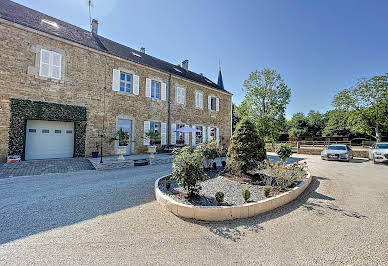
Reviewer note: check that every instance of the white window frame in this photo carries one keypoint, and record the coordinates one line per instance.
(160, 90)
(126, 82)
(50, 64)
(180, 95)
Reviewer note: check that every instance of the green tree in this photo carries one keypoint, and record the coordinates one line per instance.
(337, 124)
(266, 97)
(311, 125)
(297, 125)
(367, 106)
(235, 117)
(246, 148)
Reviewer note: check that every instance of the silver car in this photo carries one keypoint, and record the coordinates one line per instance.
(337, 152)
(379, 152)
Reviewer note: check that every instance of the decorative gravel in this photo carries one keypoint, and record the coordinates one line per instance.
(231, 189)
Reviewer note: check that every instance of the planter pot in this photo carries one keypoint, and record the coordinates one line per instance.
(151, 150)
(95, 154)
(120, 152)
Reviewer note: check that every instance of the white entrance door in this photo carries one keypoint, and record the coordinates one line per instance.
(49, 139)
(126, 126)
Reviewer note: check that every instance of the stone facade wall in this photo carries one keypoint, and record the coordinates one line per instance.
(86, 81)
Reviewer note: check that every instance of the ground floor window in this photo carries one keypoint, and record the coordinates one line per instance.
(156, 127)
(213, 134)
(180, 137)
(198, 135)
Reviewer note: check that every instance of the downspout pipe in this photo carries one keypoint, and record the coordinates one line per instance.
(169, 111)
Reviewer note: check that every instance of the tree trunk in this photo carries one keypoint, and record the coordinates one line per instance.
(378, 133)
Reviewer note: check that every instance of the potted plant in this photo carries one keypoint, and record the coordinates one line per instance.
(123, 138)
(154, 138)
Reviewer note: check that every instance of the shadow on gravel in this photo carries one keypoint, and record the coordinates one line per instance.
(235, 230)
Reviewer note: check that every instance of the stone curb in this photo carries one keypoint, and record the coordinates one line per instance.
(222, 213)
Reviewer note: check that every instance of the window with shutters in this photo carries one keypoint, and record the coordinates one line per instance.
(155, 89)
(198, 135)
(180, 137)
(199, 99)
(213, 134)
(50, 64)
(125, 82)
(180, 95)
(156, 127)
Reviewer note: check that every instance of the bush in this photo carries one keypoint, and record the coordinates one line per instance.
(267, 190)
(246, 194)
(223, 163)
(246, 148)
(209, 151)
(187, 169)
(220, 196)
(168, 182)
(284, 151)
(287, 175)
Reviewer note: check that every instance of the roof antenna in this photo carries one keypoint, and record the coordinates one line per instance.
(90, 4)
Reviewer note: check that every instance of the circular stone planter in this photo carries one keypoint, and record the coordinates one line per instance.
(222, 213)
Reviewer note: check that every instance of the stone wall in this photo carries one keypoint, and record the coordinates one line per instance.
(87, 81)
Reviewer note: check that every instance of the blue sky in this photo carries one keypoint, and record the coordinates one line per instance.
(318, 47)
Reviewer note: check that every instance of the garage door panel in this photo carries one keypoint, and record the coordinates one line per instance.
(49, 139)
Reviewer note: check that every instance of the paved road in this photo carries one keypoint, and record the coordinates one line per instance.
(111, 217)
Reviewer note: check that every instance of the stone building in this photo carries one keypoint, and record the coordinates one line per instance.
(61, 87)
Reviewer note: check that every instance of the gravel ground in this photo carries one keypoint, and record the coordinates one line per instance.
(232, 191)
(111, 217)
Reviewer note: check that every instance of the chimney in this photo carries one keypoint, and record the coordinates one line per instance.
(185, 64)
(142, 50)
(95, 26)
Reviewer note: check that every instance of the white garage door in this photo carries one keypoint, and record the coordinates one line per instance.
(49, 139)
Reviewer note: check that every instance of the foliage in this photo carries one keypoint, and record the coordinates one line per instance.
(121, 136)
(187, 169)
(366, 105)
(220, 196)
(209, 151)
(311, 125)
(267, 190)
(246, 194)
(168, 182)
(287, 175)
(265, 102)
(337, 124)
(153, 137)
(284, 151)
(246, 148)
(235, 117)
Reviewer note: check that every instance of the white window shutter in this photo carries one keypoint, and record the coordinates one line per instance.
(193, 140)
(208, 134)
(163, 135)
(116, 80)
(135, 84)
(173, 134)
(217, 134)
(44, 70)
(148, 87)
(183, 95)
(217, 104)
(204, 137)
(147, 125)
(209, 102)
(177, 95)
(187, 137)
(196, 99)
(163, 92)
(56, 65)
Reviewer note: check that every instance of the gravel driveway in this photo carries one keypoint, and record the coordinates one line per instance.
(110, 217)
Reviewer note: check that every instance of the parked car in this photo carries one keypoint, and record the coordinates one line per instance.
(379, 152)
(337, 152)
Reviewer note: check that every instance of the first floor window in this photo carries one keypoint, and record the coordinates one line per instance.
(155, 89)
(180, 137)
(199, 99)
(198, 135)
(50, 64)
(125, 82)
(213, 103)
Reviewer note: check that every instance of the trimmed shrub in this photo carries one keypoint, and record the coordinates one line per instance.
(267, 190)
(220, 196)
(223, 163)
(187, 169)
(246, 194)
(246, 148)
(284, 151)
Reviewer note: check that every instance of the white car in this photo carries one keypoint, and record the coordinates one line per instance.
(337, 152)
(379, 152)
